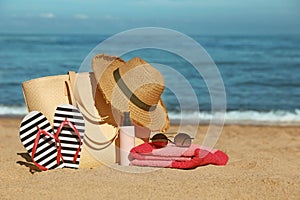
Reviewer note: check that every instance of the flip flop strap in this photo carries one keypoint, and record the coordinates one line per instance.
(36, 141)
(72, 126)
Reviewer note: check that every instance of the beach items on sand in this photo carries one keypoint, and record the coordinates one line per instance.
(134, 86)
(38, 139)
(171, 156)
(46, 93)
(80, 90)
(69, 130)
(160, 140)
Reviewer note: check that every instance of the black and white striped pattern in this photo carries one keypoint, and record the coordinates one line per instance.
(46, 151)
(68, 138)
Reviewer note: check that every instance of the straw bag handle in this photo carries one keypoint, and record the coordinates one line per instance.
(75, 99)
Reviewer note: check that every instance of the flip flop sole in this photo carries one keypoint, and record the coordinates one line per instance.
(68, 138)
(46, 151)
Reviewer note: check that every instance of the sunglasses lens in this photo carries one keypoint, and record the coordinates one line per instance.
(182, 140)
(159, 140)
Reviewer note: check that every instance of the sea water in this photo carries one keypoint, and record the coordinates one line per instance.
(261, 74)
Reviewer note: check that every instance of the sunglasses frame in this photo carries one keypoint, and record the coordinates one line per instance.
(180, 140)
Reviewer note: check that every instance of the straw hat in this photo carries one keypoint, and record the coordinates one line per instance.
(133, 86)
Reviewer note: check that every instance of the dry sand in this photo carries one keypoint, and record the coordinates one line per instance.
(264, 164)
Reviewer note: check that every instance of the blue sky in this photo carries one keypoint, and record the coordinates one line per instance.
(188, 16)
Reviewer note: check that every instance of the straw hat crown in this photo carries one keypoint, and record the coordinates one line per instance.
(146, 82)
(133, 86)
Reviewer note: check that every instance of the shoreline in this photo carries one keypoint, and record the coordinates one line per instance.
(172, 123)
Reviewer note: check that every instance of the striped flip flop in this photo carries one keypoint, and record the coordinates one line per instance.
(69, 129)
(37, 137)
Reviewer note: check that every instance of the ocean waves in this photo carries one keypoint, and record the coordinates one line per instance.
(261, 74)
(247, 117)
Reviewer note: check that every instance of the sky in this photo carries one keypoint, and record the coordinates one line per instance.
(188, 16)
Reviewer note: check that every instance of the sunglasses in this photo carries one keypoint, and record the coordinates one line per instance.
(160, 140)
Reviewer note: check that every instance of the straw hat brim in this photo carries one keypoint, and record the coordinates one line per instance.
(103, 67)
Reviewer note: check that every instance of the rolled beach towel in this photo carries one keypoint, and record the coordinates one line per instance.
(172, 156)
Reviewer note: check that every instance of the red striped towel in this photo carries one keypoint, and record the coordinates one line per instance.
(176, 157)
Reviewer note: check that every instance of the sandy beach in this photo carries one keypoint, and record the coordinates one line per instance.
(263, 164)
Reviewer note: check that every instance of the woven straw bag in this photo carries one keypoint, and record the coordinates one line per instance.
(101, 139)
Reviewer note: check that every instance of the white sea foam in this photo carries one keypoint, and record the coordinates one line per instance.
(12, 110)
(280, 117)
